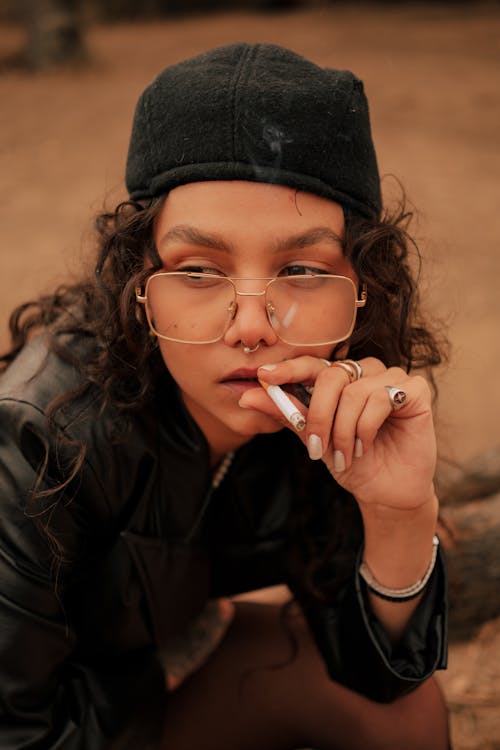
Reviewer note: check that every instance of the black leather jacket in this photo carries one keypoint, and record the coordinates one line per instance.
(145, 543)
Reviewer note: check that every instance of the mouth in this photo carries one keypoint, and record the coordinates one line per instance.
(241, 380)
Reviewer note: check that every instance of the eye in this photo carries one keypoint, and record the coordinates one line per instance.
(297, 269)
(200, 270)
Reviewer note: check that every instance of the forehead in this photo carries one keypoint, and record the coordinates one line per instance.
(240, 208)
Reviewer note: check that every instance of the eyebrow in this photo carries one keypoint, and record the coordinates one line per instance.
(308, 238)
(192, 235)
(187, 233)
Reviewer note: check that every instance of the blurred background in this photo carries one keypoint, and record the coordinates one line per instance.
(70, 75)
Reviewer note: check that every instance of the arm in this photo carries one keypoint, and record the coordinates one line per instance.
(385, 459)
(35, 640)
(358, 652)
(46, 699)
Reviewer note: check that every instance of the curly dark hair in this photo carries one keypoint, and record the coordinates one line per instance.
(124, 363)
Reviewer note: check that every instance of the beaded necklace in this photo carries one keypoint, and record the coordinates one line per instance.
(217, 478)
(222, 469)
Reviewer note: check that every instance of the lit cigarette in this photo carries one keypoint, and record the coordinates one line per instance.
(285, 405)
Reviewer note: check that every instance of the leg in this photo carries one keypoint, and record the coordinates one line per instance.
(236, 701)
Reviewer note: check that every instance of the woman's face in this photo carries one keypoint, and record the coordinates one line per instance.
(246, 230)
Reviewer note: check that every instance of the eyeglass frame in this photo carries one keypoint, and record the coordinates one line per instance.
(142, 299)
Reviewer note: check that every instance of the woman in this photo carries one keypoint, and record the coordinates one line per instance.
(152, 473)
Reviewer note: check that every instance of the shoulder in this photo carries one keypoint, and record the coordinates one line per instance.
(113, 446)
(32, 383)
(37, 376)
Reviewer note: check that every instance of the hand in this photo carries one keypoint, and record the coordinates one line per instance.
(382, 456)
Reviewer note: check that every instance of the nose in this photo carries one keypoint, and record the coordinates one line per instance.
(250, 325)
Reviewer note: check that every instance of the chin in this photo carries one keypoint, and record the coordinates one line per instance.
(255, 425)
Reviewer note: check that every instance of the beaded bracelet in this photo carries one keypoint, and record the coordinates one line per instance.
(399, 595)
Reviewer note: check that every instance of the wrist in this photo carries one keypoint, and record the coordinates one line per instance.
(401, 511)
(392, 522)
(399, 545)
(405, 594)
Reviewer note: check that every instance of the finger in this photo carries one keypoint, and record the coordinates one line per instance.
(361, 412)
(303, 369)
(345, 439)
(418, 399)
(329, 382)
(306, 368)
(330, 387)
(276, 403)
(357, 424)
(359, 417)
(352, 400)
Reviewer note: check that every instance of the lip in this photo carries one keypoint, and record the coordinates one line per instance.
(241, 380)
(243, 373)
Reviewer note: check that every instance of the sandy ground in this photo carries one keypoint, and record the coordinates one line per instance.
(433, 79)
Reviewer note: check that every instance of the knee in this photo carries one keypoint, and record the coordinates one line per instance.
(420, 720)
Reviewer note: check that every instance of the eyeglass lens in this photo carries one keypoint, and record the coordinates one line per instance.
(303, 310)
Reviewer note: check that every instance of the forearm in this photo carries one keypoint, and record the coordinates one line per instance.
(397, 550)
(358, 652)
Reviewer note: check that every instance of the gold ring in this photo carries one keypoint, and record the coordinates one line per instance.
(357, 367)
(352, 368)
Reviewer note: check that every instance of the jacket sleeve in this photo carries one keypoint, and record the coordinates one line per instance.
(357, 651)
(47, 701)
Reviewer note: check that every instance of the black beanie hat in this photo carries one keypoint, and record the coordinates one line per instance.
(260, 113)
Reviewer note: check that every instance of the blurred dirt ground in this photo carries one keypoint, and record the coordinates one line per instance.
(433, 79)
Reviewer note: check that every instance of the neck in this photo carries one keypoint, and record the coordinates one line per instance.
(217, 455)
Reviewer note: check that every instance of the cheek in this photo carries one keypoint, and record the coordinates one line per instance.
(181, 363)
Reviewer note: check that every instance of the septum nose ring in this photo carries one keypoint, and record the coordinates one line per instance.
(249, 349)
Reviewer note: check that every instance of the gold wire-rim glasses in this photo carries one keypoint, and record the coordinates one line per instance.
(142, 299)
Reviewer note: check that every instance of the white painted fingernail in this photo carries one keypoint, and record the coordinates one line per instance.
(270, 368)
(358, 448)
(314, 447)
(338, 461)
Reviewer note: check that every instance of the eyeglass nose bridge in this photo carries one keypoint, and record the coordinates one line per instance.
(251, 294)
(239, 293)
(234, 307)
